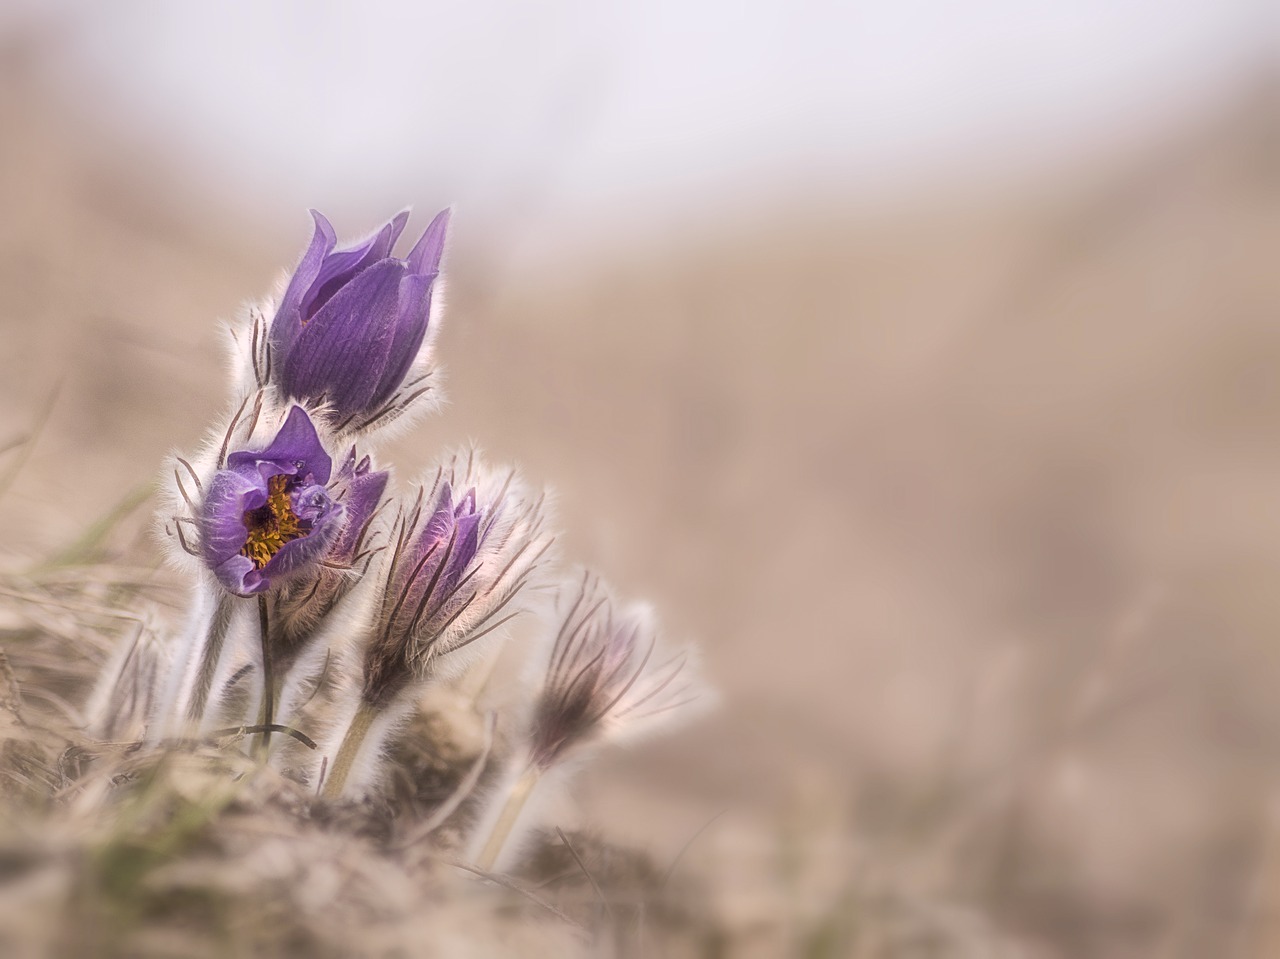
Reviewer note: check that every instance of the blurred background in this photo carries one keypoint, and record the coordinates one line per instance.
(917, 359)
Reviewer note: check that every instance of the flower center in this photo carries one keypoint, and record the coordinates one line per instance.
(272, 524)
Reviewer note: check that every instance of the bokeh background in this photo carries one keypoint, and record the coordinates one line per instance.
(917, 359)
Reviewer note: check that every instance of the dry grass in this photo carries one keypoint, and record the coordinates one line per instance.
(109, 849)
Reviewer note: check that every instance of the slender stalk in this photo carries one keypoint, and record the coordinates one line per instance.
(268, 679)
(520, 793)
(355, 736)
(210, 653)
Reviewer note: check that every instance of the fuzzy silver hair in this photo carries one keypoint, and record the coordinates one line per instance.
(422, 617)
(606, 676)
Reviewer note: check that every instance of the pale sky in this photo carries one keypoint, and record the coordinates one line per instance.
(588, 112)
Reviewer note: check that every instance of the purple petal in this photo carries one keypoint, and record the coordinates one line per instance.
(238, 576)
(287, 322)
(425, 256)
(363, 495)
(449, 539)
(222, 531)
(343, 353)
(466, 545)
(413, 315)
(434, 534)
(296, 450)
(441, 521)
(366, 493)
(341, 266)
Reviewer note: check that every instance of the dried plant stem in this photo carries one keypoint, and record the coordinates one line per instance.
(520, 793)
(268, 676)
(355, 736)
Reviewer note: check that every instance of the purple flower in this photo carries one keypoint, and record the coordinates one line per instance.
(269, 515)
(352, 321)
(447, 545)
(463, 552)
(603, 678)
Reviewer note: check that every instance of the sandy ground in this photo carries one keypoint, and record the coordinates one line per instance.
(973, 506)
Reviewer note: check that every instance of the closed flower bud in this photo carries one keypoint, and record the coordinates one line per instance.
(464, 552)
(606, 676)
(352, 322)
(606, 679)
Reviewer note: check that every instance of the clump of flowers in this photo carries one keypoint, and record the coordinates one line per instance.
(326, 599)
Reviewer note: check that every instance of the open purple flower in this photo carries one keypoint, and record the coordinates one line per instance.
(269, 514)
(352, 321)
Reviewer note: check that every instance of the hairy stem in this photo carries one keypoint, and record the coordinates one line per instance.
(268, 679)
(210, 653)
(519, 795)
(355, 736)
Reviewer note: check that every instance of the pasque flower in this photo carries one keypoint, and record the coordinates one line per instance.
(604, 680)
(465, 550)
(356, 611)
(604, 677)
(269, 515)
(352, 322)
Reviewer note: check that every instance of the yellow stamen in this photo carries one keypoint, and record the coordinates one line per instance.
(271, 525)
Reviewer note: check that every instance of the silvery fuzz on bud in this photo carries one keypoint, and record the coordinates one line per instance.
(466, 547)
(606, 678)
